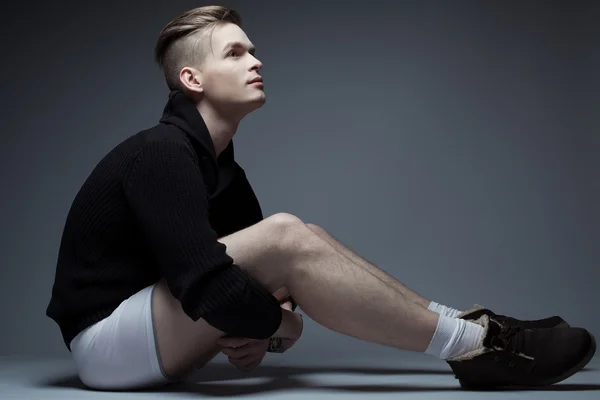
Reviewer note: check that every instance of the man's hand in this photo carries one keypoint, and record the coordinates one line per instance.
(282, 294)
(245, 354)
(281, 345)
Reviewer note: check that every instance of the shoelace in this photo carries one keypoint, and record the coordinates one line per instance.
(509, 321)
(507, 341)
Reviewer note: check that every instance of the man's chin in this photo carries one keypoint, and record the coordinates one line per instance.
(257, 103)
(244, 108)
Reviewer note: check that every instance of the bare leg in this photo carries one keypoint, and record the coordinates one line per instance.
(331, 289)
(378, 272)
(182, 343)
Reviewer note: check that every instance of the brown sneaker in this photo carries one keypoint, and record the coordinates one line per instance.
(513, 357)
(551, 322)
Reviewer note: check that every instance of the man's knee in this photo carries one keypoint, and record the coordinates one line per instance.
(315, 228)
(290, 221)
(286, 226)
(285, 220)
(292, 232)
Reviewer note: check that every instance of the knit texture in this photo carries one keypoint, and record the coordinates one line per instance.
(154, 208)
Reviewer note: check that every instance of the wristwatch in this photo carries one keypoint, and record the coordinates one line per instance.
(275, 345)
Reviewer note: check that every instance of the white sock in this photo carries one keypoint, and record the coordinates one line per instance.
(454, 337)
(443, 310)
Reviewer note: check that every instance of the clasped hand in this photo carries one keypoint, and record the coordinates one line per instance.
(246, 354)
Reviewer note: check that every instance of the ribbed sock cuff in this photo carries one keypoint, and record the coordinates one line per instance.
(454, 337)
(443, 310)
(442, 339)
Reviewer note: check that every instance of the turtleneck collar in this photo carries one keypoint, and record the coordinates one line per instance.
(182, 112)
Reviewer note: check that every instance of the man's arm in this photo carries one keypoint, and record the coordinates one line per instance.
(167, 194)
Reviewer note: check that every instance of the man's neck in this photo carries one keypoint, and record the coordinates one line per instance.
(221, 129)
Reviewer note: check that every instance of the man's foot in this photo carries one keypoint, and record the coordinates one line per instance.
(515, 357)
(546, 323)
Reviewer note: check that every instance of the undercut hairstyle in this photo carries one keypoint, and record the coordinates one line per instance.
(183, 41)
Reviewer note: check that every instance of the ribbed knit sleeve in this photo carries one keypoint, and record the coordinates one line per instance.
(166, 191)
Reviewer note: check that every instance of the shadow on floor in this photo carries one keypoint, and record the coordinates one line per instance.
(288, 378)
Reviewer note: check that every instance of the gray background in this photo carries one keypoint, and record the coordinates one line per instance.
(454, 144)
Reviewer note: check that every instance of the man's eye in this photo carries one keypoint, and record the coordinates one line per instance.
(232, 53)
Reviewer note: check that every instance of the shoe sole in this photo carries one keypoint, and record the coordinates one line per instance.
(567, 374)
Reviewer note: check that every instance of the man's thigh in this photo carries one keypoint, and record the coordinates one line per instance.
(181, 342)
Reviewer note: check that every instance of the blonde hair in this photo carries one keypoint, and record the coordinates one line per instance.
(179, 44)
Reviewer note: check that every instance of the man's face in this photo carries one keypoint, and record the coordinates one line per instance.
(228, 70)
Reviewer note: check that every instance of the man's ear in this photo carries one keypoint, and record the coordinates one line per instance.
(191, 79)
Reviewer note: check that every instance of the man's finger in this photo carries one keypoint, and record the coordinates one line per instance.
(233, 342)
(236, 353)
(250, 366)
(287, 305)
(239, 366)
(245, 363)
(281, 293)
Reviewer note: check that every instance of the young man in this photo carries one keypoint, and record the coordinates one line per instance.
(166, 260)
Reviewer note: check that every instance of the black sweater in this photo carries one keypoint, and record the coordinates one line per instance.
(154, 207)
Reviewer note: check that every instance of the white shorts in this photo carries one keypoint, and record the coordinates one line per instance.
(119, 352)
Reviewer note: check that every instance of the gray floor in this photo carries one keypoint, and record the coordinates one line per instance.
(410, 376)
